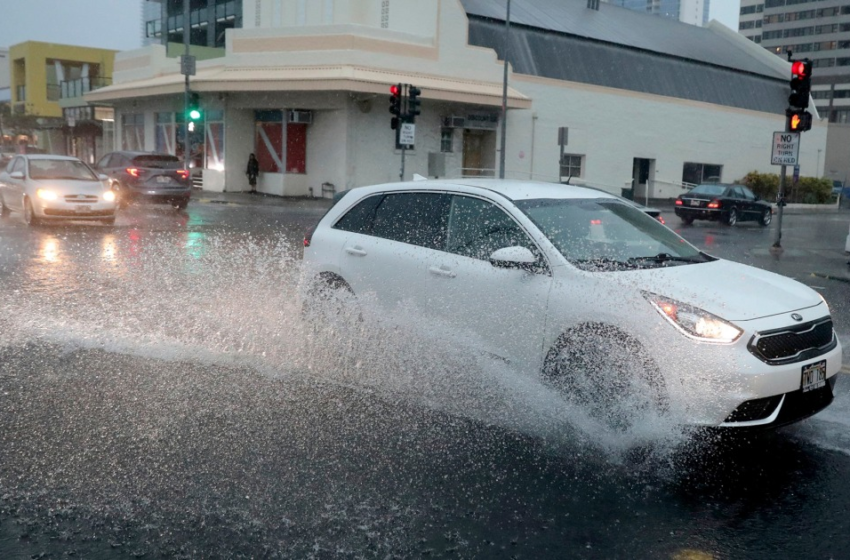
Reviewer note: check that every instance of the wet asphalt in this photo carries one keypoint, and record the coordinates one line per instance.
(157, 401)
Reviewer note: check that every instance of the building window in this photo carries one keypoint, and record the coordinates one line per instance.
(698, 173)
(165, 133)
(385, 14)
(447, 140)
(268, 144)
(571, 165)
(133, 131)
(296, 148)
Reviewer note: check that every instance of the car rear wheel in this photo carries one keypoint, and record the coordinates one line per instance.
(329, 298)
(766, 217)
(608, 374)
(687, 220)
(732, 217)
(181, 204)
(4, 210)
(29, 214)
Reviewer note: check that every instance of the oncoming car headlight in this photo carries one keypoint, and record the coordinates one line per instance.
(693, 322)
(45, 194)
(109, 196)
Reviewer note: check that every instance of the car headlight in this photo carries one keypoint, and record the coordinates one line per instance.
(109, 196)
(693, 322)
(45, 194)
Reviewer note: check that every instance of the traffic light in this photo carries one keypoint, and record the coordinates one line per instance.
(801, 83)
(798, 121)
(194, 109)
(413, 102)
(395, 99)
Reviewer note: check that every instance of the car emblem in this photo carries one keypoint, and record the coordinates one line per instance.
(796, 316)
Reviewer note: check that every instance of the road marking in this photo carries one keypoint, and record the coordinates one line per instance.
(845, 369)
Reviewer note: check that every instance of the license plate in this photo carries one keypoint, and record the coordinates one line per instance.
(82, 209)
(814, 376)
(163, 179)
(694, 202)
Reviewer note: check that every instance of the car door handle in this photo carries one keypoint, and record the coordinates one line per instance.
(440, 271)
(356, 251)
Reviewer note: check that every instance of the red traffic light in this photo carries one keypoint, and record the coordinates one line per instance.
(394, 90)
(798, 68)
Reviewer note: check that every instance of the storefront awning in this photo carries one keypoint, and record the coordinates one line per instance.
(319, 78)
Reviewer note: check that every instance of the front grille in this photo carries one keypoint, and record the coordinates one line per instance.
(81, 198)
(797, 406)
(794, 344)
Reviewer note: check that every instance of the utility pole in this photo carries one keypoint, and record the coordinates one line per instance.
(507, 50)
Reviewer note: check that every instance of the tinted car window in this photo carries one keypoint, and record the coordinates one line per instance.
(415, 218)
(104, 161)
(157, 161)
(748, 194)
(709, 190)
(737, 192)
(359, 219)
(478, 227)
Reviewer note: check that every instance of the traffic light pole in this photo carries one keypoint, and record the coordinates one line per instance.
(186, 149)
(780, 202)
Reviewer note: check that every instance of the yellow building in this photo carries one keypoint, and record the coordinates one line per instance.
(48, 81)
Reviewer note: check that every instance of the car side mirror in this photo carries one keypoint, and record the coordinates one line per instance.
(513, 257)
(16, 174)
(102, 177)
(758, 197)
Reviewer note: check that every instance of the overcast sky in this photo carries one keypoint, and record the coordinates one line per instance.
(116, 24)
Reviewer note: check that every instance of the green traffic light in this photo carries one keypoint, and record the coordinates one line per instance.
(194, 114)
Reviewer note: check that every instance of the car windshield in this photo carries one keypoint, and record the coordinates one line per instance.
(606, 234)
(158, 161)
(67, 169)
(709, 190)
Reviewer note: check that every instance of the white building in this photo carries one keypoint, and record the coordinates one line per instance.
(305, 86)
(694, 12)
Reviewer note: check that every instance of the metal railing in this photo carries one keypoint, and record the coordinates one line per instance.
(76, 88)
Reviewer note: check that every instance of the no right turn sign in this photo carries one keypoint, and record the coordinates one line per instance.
(786, 148)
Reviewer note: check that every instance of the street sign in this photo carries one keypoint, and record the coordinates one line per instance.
(187, 64)
(406, 134)
(786, 148)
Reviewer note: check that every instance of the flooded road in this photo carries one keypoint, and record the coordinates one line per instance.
(160, 397)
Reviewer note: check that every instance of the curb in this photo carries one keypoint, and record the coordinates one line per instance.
(846, 280)
(845, 370)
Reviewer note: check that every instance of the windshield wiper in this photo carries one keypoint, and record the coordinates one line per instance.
(604, 263)
(661, 258)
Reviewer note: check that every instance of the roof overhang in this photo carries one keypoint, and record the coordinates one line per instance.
(316, 78)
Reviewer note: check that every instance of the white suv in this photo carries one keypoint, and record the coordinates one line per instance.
(587, 294)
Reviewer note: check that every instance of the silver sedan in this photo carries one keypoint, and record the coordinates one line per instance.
(48, 187)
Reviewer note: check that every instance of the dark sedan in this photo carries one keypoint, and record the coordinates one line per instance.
(728, 204)
(145, 176)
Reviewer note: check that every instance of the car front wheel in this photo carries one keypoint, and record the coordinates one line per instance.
(29, 214)
(766, 217)
(607, 374)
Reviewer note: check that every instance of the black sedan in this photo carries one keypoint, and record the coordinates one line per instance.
(728, 204)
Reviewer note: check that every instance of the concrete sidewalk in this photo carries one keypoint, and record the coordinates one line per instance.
(258, 199)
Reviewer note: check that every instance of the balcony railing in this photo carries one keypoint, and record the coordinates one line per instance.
(76, 88)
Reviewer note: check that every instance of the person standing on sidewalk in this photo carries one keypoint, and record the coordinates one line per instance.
(253, 171)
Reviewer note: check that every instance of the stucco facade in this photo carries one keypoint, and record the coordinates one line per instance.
(330, 65)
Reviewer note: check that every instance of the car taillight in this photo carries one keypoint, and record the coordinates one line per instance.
(183, 173)
(309, 236)
(132, 171)
(714, 204)
(660, 219)
(679, 202)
